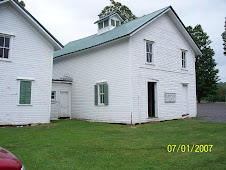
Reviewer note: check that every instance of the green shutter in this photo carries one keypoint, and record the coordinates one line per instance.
(106, 94)
(25, 92)
(96, 94)
(22, 92)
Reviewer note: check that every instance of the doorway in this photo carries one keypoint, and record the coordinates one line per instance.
(151, 99)
(184, 99)
(64, 104)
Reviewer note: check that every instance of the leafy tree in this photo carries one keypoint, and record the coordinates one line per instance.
(224, 37)
(206, 73)
(220, 95)
(122, 10)
(21, 3)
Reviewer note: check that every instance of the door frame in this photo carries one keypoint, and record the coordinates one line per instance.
(155, 97)
(59, 85)
(182, 99)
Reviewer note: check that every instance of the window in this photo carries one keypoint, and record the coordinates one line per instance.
(117, 23)
(4, 47)
(100, 25)
(25, 92)
(101, 94)
(183, 57)
(106, 23)
(149, 53)
(112, 22)
(53, 96)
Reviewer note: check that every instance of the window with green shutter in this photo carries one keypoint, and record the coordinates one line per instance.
(101, 94)
(25, 92)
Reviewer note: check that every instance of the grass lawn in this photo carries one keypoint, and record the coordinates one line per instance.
(73, 144)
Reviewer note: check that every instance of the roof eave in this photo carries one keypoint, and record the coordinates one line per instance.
(107, 17)
(57, 45)
(186, 34)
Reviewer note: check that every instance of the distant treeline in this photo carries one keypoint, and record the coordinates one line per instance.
(220, 94)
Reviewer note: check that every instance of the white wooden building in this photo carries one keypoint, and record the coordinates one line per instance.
(137, 72)
(26, 57)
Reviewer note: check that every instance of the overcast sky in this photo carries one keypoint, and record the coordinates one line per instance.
(70, 20)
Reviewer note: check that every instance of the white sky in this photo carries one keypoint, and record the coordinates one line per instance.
(70, 20)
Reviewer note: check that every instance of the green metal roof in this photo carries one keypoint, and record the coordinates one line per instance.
(118, 32)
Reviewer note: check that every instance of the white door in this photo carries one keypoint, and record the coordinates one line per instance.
(64, 104)
(185, 99)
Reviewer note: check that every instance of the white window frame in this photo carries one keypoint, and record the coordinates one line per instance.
(100, 94)
(183, 59)
(106, 21)
(113, 21)
(149, 52)
(101, 23)
(117, 21)
(25, 79)
(9, 48)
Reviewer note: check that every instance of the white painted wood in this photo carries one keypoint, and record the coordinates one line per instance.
(64, 104)
(107, 63)
(30, 58)
(185, 99)
(167, 70)
(61, 106)
(123, 65)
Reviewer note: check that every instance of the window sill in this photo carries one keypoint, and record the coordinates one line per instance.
(184, 69)
(24, 105)
(6, 60)
(152, 64)
(101, 104)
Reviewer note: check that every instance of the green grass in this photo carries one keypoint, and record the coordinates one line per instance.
(73, 144)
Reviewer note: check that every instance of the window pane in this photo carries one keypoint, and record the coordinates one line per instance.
(1, 52)
(147, 46)
(150, 58)
(100, 89)
(100, 25)
(6, 53)
(1, 41)
(150, 47)
(6, 42)
(53, 95)
(117, 23)
(113, 22)
(106, 23)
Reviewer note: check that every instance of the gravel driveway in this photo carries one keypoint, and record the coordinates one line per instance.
(214, 112)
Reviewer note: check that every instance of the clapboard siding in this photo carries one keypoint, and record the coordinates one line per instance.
(31, 57)
(109, 62)
(168, 43)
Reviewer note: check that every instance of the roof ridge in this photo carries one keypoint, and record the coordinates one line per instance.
(116, 33)
(81, 39)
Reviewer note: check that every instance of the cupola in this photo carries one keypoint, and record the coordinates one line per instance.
(108, 22)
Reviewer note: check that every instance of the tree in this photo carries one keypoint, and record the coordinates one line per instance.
(122, 10)
(224, 37)
(206, 73)
(21, 3)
